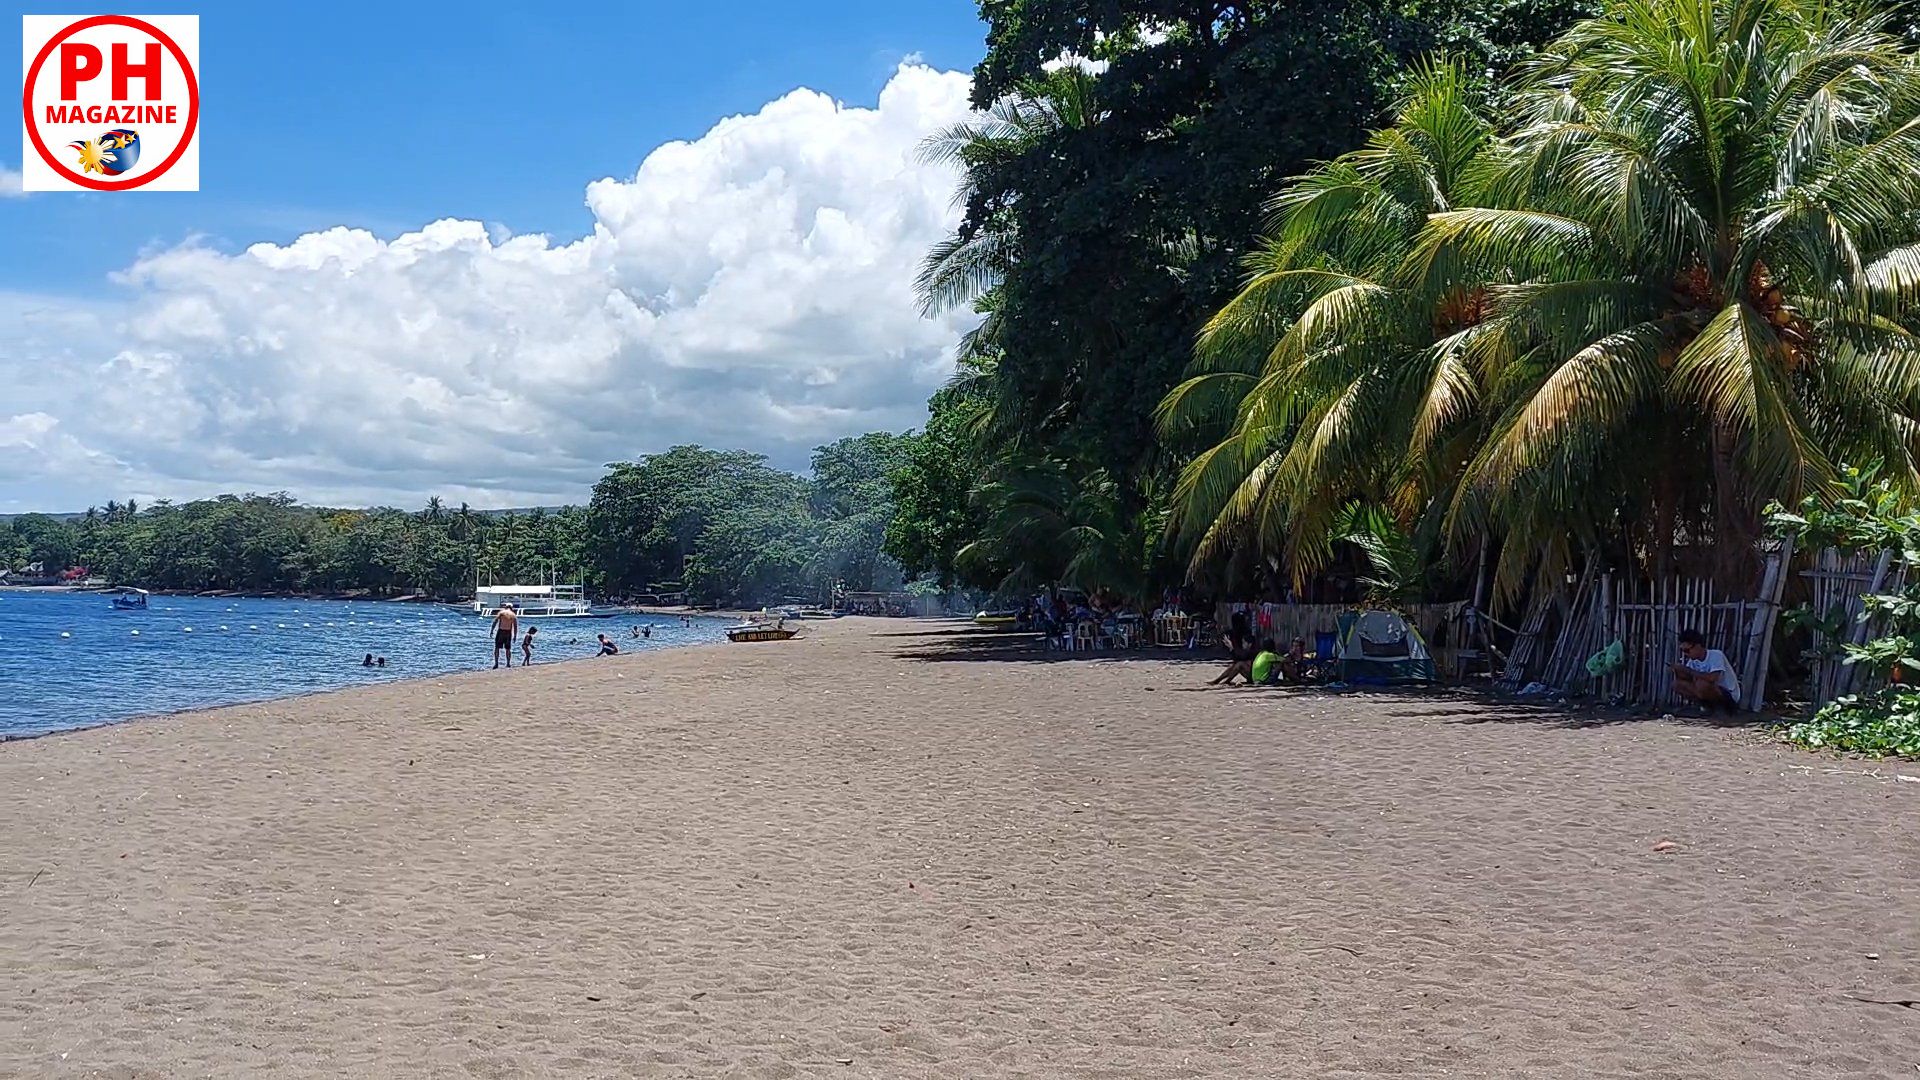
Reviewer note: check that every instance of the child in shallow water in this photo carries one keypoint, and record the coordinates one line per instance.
(526, 645)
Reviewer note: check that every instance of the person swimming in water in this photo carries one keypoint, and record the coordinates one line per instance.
(647, 631)
(368, 662)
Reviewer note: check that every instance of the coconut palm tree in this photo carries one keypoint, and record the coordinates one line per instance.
(1307, 383)
(1049, 521)
(1701, 264)
(1684, 284)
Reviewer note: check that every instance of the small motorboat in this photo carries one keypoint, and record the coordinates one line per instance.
(760, 631)
(130, 600)
(997, 620)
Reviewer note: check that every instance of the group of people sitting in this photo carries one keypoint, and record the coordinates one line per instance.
(1059, 618)
(1261, 663)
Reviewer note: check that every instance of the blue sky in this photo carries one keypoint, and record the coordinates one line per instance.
(479, 250)
(389, 115)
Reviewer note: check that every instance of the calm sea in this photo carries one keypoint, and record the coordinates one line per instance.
(68, 660)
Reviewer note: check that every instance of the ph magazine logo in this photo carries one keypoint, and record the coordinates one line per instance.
(110, 103)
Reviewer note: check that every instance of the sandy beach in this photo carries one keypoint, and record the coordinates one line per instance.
(900, 849)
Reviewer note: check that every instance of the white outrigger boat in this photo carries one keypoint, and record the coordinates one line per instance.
(536, 601)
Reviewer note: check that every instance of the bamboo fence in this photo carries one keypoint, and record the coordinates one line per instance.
(1838, 583)
(1647, 615)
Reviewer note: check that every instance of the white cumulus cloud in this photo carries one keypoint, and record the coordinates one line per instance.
(10, 183)
(750, 288)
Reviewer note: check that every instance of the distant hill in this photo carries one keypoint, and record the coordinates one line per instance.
(6, 518)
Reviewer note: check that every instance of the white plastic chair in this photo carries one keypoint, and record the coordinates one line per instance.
(1085, 636)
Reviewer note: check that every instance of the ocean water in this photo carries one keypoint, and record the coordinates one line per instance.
(68, 660)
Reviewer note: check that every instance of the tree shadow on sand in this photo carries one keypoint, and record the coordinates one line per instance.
(1486, 707)
(965, 643)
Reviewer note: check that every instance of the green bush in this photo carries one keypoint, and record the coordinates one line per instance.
(1886, 724)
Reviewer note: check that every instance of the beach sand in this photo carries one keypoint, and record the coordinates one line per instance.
(894, 849)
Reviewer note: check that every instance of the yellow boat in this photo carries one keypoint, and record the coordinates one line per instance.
(760, 632)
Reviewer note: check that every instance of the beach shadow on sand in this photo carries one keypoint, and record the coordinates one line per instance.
(963, 642)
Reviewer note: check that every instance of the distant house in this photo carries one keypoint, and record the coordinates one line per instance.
(33, 574)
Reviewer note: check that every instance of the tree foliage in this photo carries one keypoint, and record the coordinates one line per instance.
(1675, 279)
(1116, 181)
(1871, 514)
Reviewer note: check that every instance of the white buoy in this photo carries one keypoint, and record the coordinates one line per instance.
(307, 625)
(283, 626)
(329, 624)
(223, 628)
(186, 629)
(253, 628)
(63, 633)
(136, 633)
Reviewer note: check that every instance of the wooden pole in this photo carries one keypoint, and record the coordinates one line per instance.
(1767, 617)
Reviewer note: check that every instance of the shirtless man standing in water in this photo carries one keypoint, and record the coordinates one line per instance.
(504, 623)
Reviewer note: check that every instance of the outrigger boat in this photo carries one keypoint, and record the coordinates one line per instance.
(130, 600)
(761, 631)
(550, 601)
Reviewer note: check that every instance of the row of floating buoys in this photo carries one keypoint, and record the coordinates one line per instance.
(255, 626)
(184, 630)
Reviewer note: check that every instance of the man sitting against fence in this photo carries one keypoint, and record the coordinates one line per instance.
(1703, 675)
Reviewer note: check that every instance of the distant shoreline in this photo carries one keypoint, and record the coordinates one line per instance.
(637, 609)
(231, 594)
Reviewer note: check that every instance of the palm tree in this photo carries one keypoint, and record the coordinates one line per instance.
(1309, 383)
(1702, 266)
(1684, 284)
(1395, 565)
(1048, 521)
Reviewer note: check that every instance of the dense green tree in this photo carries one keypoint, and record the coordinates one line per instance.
(756, 548)
(935, 515)
(1113, 186)
(852, 505)
(646, 517)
